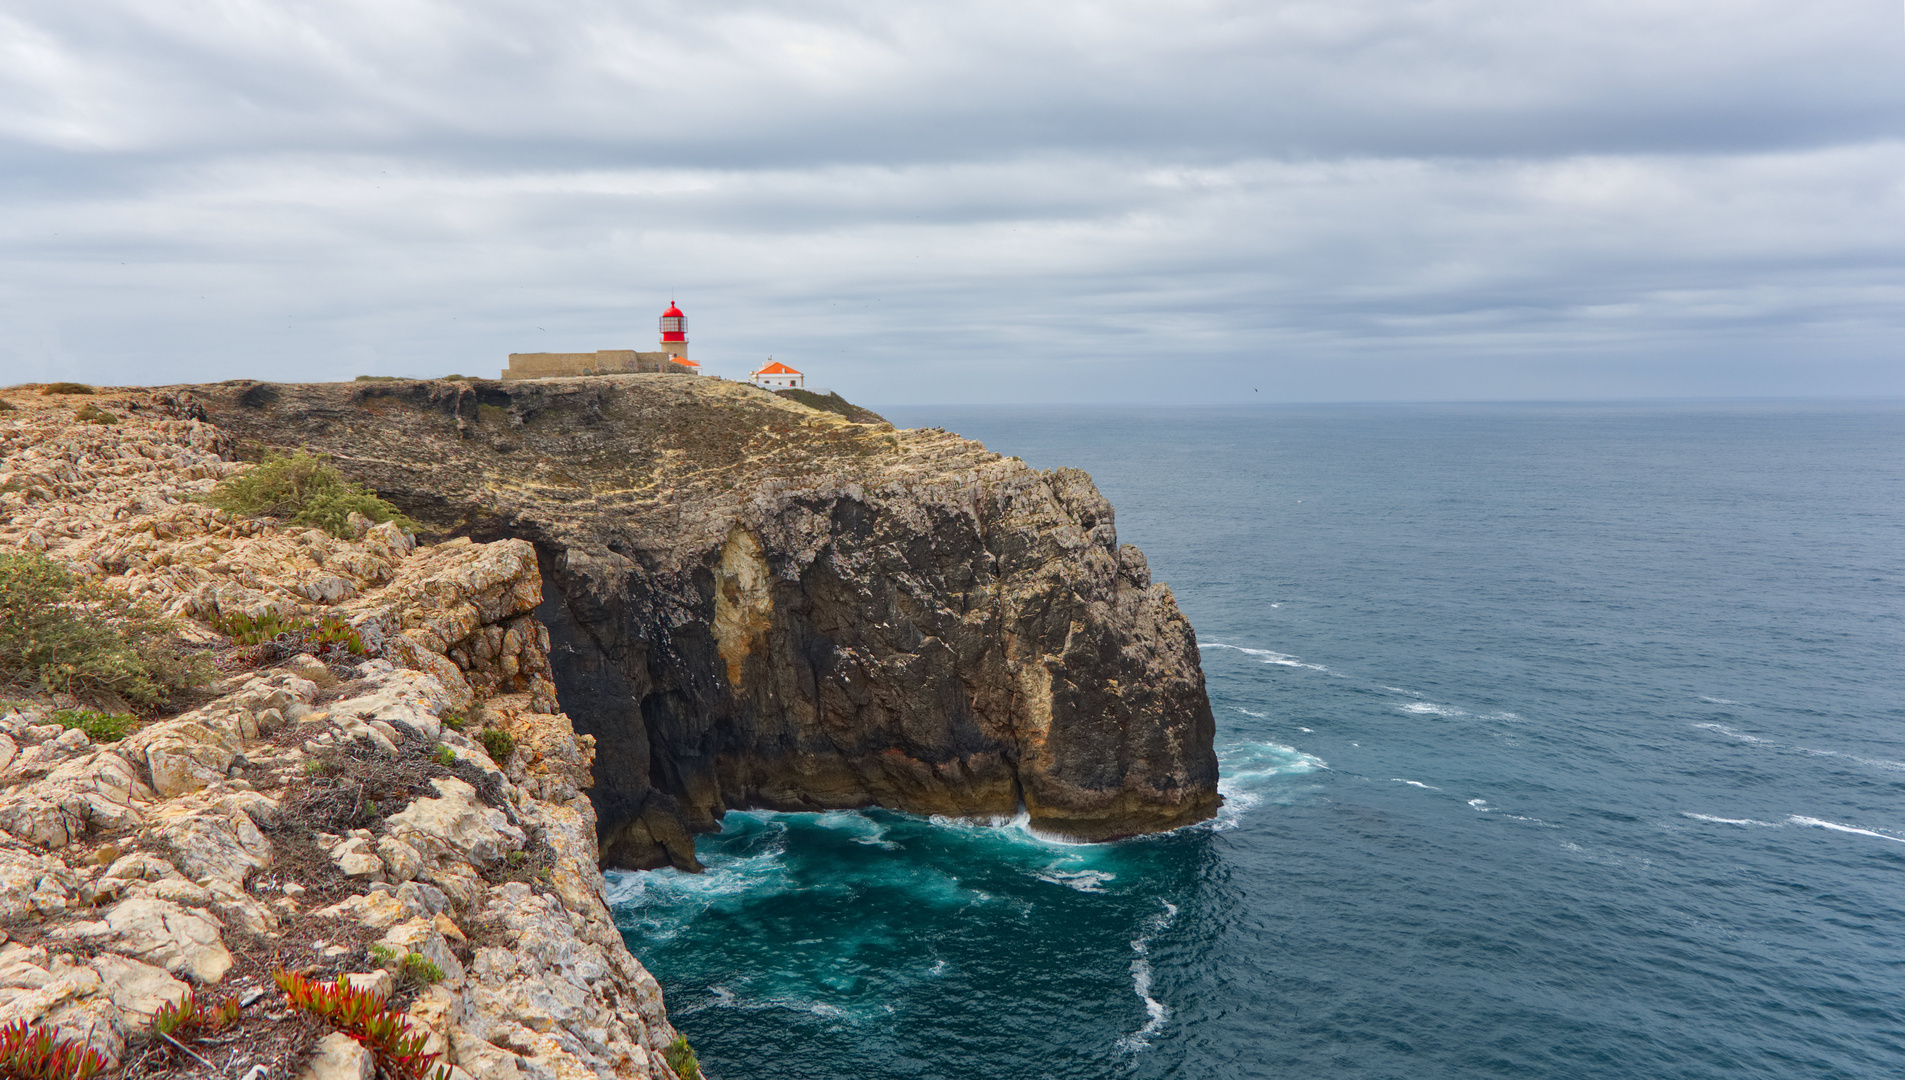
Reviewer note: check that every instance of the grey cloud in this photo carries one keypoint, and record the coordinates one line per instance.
(1464, 198)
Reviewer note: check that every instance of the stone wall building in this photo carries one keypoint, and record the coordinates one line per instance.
(672, 359)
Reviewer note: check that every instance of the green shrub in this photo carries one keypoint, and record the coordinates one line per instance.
(443, 756)
(327, 631)
(419, 970)
(302, 489)
(65, 388)
(93, 414)
(98, 726)
(499, 743)
(7, 406)
(681, 1058)
(380, 378)
(410, 968)
(61, 634)
(453, 720)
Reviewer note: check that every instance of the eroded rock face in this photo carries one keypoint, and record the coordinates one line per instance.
(753, 603)
(196, 849)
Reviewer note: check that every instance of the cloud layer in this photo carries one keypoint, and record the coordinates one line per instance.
(967, 202)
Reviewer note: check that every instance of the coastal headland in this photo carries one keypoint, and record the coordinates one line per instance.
(757, 603)
(632, 603)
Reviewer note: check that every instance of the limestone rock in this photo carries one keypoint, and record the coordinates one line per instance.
(214, 845)
(181, 940)
(339, 1057)
(455, 823)
(137, 990)
(32, 884)
(99, 789)
(401, 861)
(356, 858)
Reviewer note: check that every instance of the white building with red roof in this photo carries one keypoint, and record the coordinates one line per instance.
(777, 376)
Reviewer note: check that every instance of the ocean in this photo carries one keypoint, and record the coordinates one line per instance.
(1557, 741)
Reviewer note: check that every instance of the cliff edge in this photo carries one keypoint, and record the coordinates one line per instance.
(408, 822)
(755, 603)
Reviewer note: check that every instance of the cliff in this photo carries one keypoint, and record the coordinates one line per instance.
(754, 603)
(314, 809)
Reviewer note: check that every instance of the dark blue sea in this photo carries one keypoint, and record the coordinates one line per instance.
(1558, 741)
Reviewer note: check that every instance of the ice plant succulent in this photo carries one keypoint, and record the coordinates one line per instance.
(30, 1052)
(189, 1015)
(365, 1015)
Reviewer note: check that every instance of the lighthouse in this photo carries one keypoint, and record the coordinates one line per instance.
(674, 335)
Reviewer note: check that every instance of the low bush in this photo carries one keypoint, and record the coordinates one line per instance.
(70, 636)
(411, 969)
(499, 743)
(93, 414)
(98, 726)
(65, 388)
(31, 1052)
(322, 634)
(7, 406)
(379, 378)
(303, 489)
(681, 1058)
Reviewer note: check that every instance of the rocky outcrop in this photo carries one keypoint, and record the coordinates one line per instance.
(753, 603)
(331, 815)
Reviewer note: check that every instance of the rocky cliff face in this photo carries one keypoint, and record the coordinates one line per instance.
(753, 603)
(319, 815)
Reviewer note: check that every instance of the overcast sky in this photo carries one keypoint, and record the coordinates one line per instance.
(967, 202)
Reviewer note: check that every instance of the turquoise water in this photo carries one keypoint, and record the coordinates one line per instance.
(1558, 742)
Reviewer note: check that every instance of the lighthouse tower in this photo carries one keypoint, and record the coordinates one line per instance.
(674, 335)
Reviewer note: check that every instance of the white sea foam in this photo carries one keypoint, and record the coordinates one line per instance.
(1876, 763)
(1085, 881)
(1249, 762)
(1718, 700)
(661, 902)
(1414, 783)
(1480, 804)
(1732, 734)
(1258, 715)
(1236, 805)
(1836, 827)
(1268, 656)
(1016, 829)
(1307, 731)
(1157, 1014)
(1400, 690)
(1425, 708)
(1730, 821)
(938, 968)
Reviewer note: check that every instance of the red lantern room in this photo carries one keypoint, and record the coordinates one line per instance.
(674, 325)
